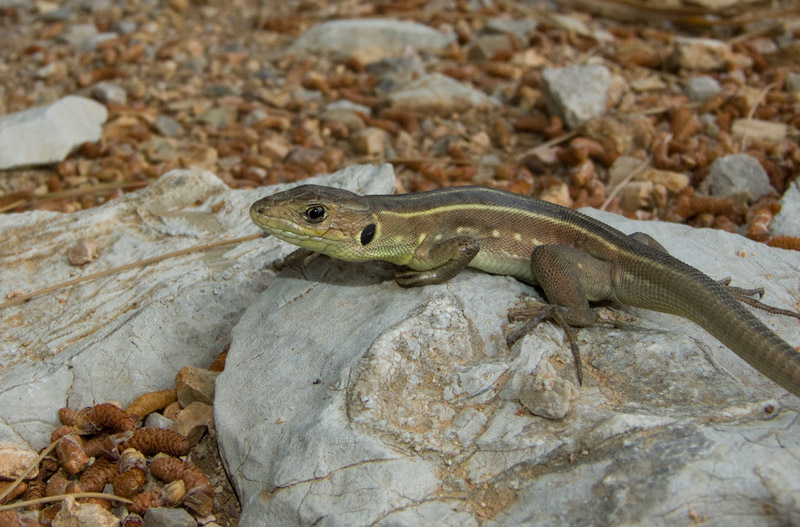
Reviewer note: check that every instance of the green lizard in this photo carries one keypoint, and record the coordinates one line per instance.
(575, 259)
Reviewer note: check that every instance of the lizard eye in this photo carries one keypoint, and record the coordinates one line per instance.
(315, 214)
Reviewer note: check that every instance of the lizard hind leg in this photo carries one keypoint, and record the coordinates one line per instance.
(570, 279)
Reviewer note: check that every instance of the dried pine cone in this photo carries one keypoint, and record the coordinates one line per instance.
(132, 476)
(70, 452)
(152, 441)
(170, 495)
(95, 477)
(107, 415)
(200, 495)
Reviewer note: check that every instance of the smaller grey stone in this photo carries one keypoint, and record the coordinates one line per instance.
(80, 36)
(167, 126)
(370, 39)
(396, 71)
(702, 88)
(521, 27)
(254, 117)
(577, 93)
(344, 104)
(485, 47)
(219, 116)
(440, 94)
(348, 118)
(96, 5)
(156, 420)
(710, 126)
(99, 39)
(165, 517)
(124, 27)
(105, 91)
(738, 174)
(793, 82)
(59, 14)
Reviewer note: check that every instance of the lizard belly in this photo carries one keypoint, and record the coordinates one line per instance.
(500, 263)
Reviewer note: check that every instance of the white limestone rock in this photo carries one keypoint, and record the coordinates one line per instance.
(48, 134)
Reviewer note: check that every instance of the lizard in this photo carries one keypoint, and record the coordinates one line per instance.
(574, 258)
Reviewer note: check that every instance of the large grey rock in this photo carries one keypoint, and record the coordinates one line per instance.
(350, 401)
(49, 133)
(577, 93)
(371, 39)
(347, 400)
(116, 337)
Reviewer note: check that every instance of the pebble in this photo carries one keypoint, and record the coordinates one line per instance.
(546, 394)
(370, 142)
(156, 420)
(738, 174)
(348, 118)
(219, 116)
(485, 47)
(702, 88)
(167, 126)
(394, 72)
(14, 459)
(58, 14)
(106, 92)
(577, 93)
(254, 117)
(48, 134)
(437, 93)
(167, 517)
(193, 421)
(372, 39)
(759, 130)
(703, 54)
(636, 195)
(623, 166)
(195, 384)
(793, 82)
(80, 36)
(74, 514)
(54, 71)
(521, 28)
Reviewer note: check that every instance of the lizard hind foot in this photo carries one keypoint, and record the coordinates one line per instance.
(534, 316)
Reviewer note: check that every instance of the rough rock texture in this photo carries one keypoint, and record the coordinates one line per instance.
(116, 337)
(49, 133)
(377, 405)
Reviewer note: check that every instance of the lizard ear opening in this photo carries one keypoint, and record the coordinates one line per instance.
(367, 234)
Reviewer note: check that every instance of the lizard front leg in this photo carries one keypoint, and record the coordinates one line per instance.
(449, 257)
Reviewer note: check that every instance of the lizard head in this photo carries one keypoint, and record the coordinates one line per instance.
(327, 220)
